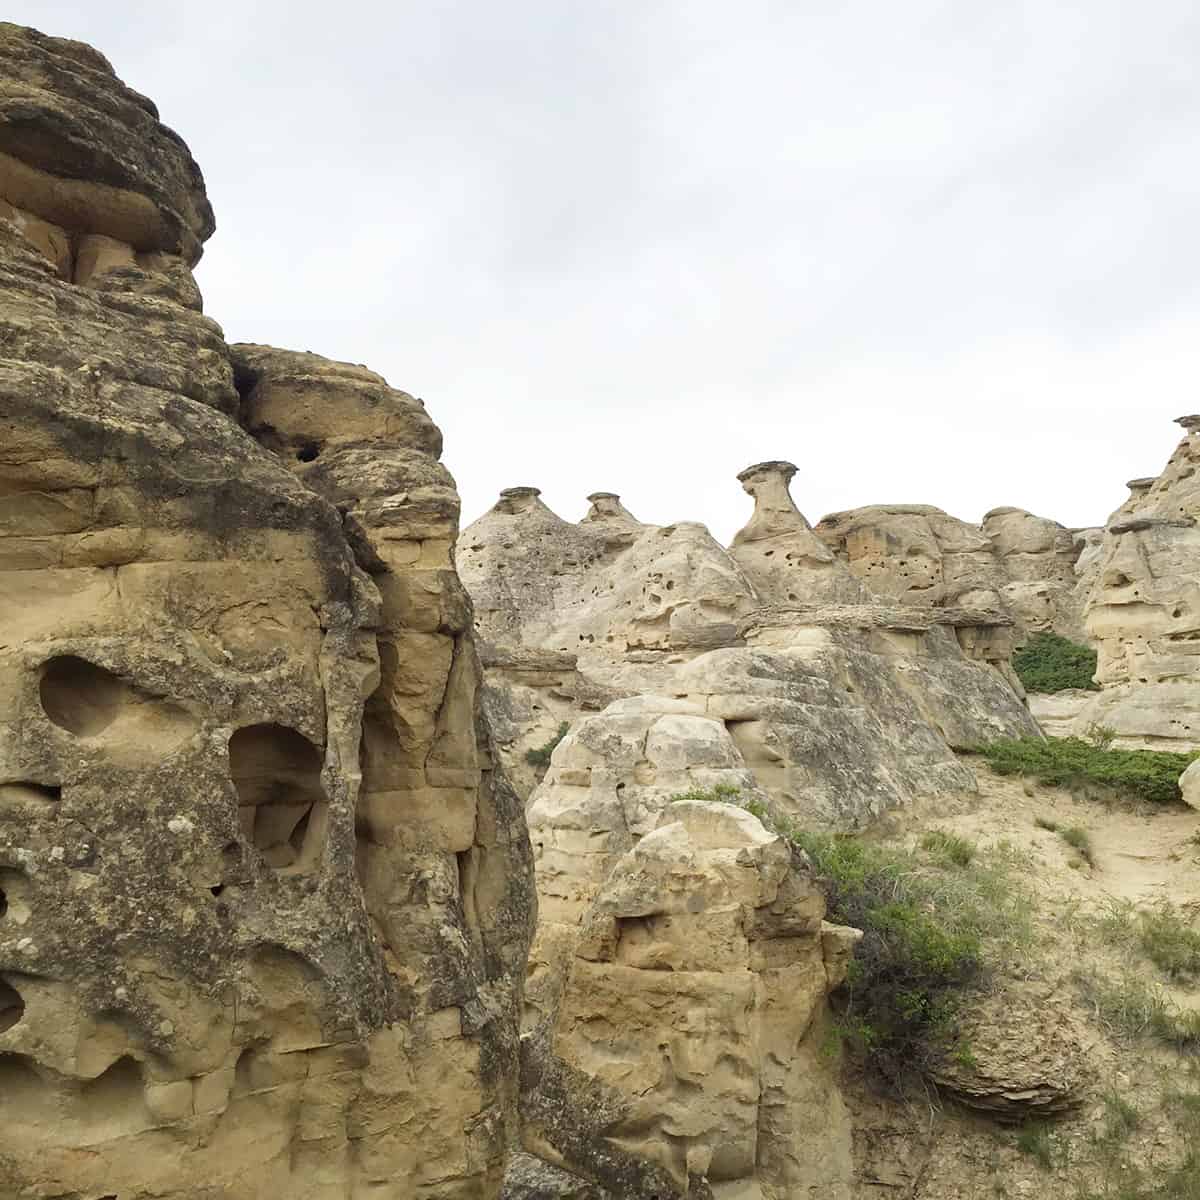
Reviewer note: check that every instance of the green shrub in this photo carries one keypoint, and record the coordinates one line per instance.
(1171, 942)
(1049, 663)
(949, 848)
(719, 793)
(540, 757)
(897, 1006)
(1077, 838)
(1036, 1141)
(1145, 774)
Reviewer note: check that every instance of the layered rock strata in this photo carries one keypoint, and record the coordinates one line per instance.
(263, 904)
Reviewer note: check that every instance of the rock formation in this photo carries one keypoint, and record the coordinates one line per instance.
(264, 906)
(780, 556)
(1039, 559)
(678, 974)
(919, 554)
(1143, 610)
(843, 706)
(267, 895)
(679, 1049)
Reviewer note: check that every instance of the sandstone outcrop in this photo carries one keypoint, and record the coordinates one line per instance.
(611, 780)
(918, 554)
(915, 553)
(843, 706)
(1143, 610)
(1039, 559)
(679, 1053)
(1189, 785)
(264, 905)
(780, 556)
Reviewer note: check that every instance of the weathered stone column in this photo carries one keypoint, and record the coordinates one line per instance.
(779, 553)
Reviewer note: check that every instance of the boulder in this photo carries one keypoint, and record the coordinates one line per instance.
(681, 1053)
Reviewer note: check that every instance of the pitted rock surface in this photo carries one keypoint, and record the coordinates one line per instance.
(266, 904)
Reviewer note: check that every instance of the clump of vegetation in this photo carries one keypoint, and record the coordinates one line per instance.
(719, 793)
(1036, 1141)
(1162, 933)
(1049, 663)
(1120, 1117)
(1132, 1007)
(1065, 762)
(931, 925)
(1171, 942)
(1079, 840)
(540, 757)
(949, 848)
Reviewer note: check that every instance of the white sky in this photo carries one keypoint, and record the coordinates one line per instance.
(944, 252)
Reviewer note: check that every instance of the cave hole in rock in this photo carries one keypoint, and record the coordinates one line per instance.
(281, 804)
(12, 1007)
(245, 380)
(117, 1091)
(79, 696)
(18, 790)
(309, 452)
(14, 896)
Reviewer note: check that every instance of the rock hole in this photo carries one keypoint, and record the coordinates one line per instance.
(117, 1089)
(14, 897)
(308, 452)
(79, 696)
(12, 1007)
(218, 889)
(249, 1074)
(245, 380)
(282, 805)
(19, 790)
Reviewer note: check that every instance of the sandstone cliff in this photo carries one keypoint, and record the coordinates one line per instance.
(264, 906)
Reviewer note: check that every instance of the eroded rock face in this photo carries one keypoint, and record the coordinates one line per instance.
(849, 707)
(1143, 611)
(611, 780)
(265, 905)
(679, 1055)
(914, 552)
(1038, 558)
(918, 554)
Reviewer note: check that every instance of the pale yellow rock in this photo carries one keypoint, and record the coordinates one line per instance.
(1143, 610)
(690, 994)
(264, 904)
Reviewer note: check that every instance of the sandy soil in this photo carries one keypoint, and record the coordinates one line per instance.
(1143, 854)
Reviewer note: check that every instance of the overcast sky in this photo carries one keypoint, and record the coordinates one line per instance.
(939, 252)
